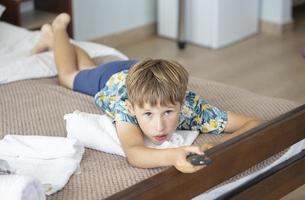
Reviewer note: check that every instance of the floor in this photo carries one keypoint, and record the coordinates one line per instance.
(268, 65)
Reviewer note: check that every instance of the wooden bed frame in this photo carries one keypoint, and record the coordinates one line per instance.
(233, 157)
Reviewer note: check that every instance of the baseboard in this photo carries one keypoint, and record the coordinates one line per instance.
(127, 37)
(271, 28)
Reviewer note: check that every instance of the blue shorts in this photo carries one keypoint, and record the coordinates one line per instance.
(91, 81)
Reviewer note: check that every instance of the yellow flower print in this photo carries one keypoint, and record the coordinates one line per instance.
(196, 99)
(110, 82)
(213, 123)
(197, 119)
(204, 129)
(113, 98)
(102, 97)
(120, 76)
(205, 107)
(110, 114)
(187, 111)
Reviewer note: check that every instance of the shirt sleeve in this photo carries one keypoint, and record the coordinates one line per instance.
(111, 100)
(197, 114)
(121, 113)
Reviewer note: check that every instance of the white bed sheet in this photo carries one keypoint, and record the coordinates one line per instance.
(17, 62)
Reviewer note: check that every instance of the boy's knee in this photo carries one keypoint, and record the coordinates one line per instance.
(66, 79)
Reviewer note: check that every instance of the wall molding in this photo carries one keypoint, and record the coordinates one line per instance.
(128, 37)
(271, 28)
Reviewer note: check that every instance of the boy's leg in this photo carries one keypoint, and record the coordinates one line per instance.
(69, 58)
(64, 53)
(84, 61)
(45, 41)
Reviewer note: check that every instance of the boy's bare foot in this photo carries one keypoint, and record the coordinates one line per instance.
(61, 21)
(46, 39)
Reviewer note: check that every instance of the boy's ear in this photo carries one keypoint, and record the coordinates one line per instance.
(182, 104)
(130, 107)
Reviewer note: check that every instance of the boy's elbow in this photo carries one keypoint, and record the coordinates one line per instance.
(132, 158)
(134, 162)
(257, 121)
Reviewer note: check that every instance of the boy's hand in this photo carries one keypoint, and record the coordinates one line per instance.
(180, 161)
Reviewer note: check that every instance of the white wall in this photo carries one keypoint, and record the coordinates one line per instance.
(276, 11)
(96, 18)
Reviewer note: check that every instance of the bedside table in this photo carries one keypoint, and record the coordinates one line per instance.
(32, 14)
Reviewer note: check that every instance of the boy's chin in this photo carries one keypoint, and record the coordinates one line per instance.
(157, 142)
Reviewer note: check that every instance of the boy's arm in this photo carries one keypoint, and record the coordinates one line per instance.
(238, 124)
(138, 155)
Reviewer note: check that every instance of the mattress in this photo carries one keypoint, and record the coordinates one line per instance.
(37, 107)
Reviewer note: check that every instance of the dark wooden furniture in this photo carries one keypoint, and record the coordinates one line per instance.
(232, 158)
(181, 24)
(44, 12)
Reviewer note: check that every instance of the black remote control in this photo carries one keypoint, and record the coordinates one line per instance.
(196, 159)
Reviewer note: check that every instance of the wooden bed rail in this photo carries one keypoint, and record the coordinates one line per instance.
(228, 159)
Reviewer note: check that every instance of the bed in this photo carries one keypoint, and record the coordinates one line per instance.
(37, 106)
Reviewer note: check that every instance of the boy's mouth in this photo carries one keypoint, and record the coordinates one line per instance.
(160, 138)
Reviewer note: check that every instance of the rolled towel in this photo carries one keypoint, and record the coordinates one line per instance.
(37, 146)
(94, 131)
(5, 168)
(51, 160)
(19, 187)
(98, 132)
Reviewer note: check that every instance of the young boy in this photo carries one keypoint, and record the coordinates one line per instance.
(148, 97)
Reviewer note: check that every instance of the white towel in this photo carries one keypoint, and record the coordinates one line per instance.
(41, 147)
(98, 132)
(19, 187)
(17, 63)
(52, 160)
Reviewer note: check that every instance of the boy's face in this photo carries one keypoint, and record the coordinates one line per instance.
(158, 122)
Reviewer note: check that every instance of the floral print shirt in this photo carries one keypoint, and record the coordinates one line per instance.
(196, 113)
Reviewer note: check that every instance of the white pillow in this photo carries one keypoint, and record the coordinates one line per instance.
(2, 9)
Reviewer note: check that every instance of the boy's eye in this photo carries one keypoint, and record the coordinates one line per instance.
(147, 114)
(168, 112)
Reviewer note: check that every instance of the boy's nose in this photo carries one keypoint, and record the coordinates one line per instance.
(160, 125)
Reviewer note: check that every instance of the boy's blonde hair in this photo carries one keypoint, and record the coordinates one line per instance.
(156, 81)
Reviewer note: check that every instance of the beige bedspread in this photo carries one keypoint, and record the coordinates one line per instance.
(36, 107)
